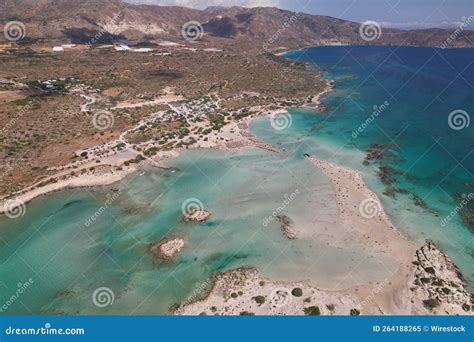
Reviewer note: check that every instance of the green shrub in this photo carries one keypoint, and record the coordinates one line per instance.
(312, 311)
(260, 299)
(297, 292)
(430, 270)
(446, 290)
(246, 313)
(431, 303)
(234, 295)
(466, 307)
(355, 312)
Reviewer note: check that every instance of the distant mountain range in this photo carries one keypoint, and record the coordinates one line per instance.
(78, 21)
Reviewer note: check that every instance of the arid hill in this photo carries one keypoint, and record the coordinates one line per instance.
(78, 21)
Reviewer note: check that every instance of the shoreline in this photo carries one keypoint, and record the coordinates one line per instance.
(350, 191)
(233, 136)
(245, 291)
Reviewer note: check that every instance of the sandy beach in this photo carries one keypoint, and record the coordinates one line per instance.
(232, 136)
(424, 281)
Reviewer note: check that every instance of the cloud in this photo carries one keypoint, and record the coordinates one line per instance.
(202, 4)
(425, 25)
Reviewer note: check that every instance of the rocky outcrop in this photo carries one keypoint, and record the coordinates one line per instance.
(167, 249)
(197, 216)
(438, 285)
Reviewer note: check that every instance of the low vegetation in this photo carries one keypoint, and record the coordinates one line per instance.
(312, 311)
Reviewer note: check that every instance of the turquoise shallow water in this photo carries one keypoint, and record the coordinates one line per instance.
(68, 258)
(413, 91)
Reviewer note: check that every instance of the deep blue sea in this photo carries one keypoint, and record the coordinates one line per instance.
(407, 111)
(388, 117)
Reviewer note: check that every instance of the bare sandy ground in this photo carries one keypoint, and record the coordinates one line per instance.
(164, 99)
(11, 95)
(89, 179)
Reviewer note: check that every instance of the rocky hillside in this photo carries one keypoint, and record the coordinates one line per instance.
(78, 21)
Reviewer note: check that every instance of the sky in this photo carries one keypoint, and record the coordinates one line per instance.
(393, 13)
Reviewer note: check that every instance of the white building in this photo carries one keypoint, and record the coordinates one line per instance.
(143, 50)
(121, 47)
